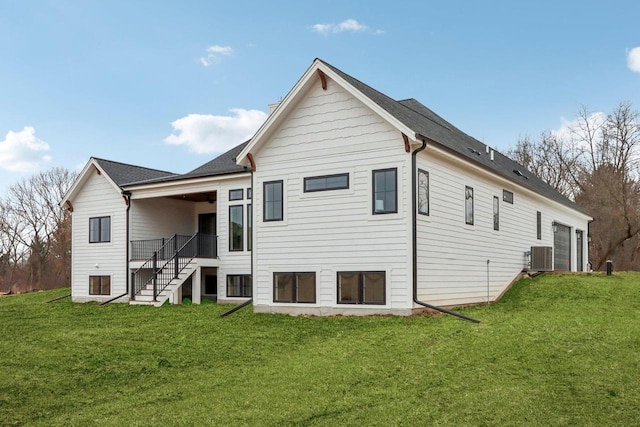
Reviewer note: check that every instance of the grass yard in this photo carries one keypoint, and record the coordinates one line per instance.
(557, 350)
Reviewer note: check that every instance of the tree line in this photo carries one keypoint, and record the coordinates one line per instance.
(35, 233)
(596, 164)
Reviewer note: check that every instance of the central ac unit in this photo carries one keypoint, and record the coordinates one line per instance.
(541, 258)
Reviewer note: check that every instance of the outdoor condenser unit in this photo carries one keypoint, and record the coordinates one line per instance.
(541, 258)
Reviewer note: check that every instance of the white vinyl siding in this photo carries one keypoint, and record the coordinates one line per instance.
(98, 199)
(330, 132)
(161, 217)
(452, 259)
(232, 262)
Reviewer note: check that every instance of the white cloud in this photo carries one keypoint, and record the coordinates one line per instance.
(206, 133)
(22, 151)
(633, 59)
(214, 53)
(350, 25)
(575, 130)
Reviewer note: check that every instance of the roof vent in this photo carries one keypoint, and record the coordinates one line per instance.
(492, 155)
(486, 147)
(474, 151)
(517, 172)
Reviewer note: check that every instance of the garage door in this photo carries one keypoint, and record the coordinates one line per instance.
(562, 248)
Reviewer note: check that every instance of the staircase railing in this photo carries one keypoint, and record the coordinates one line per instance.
(160, 273)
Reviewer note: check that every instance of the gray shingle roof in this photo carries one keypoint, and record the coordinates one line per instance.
(426, 123)
(123, 174)
(224, 164)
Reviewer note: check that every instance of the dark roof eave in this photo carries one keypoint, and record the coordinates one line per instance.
(568, 203)
(183, 178)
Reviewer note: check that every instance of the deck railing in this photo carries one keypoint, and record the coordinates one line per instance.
(166, 247)
(169, 259)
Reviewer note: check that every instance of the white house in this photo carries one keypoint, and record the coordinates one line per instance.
(363, 205)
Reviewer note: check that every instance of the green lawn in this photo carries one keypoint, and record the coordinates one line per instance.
(557, 350)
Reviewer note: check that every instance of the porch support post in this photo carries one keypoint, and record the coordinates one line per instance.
(196, 286)
(155, 276)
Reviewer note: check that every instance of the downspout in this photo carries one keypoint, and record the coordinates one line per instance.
(253, 226)
(127, 196)
(414, 186)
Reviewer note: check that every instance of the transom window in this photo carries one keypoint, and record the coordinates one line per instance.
(100, 229)
(468, 205)
(236, 194)
(361, 287)
(294, 287)
(385, 191)
(273, 201)
(239, 285)
(326, 182)
(507, 196)
(99, 285)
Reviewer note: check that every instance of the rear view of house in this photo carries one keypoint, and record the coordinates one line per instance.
(344, 202)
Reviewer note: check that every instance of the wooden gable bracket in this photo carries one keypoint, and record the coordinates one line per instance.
(97, 170)
(323, 79)
(69, 206)
(126, 200)
(253, 162)
(407, 146)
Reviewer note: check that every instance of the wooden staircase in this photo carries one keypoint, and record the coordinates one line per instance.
(145, 295)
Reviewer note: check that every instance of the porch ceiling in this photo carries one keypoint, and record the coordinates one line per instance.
(208, 196)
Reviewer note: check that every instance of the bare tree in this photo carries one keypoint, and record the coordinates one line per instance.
(34, 231)
(596, 164)
(551, 158)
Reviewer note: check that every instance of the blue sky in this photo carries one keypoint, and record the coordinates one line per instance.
(170, 85)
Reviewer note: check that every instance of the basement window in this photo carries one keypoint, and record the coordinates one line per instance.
(294, 287)
(99, 285)
(361, 287)
(239, 285)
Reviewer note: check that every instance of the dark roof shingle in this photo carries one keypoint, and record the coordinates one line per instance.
(426, 123)
(123, 174)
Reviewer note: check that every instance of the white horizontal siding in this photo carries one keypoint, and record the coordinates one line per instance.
(452, 256)
(231, 262)
(98, 198)
(325, 232)
(161, 217)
